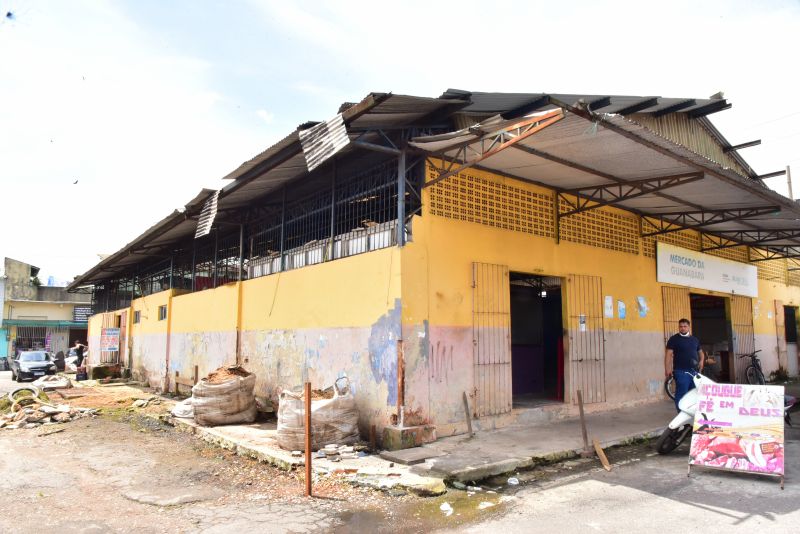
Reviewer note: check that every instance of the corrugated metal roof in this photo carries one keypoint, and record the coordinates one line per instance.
(284, 162)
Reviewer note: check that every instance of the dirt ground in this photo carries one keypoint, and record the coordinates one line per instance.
(123, 472)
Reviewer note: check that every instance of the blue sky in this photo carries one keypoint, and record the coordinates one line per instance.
(145, 102)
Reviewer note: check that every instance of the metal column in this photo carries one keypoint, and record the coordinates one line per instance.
(401, 198)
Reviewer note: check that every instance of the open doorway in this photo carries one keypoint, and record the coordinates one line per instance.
(537, 346)
(711, 325)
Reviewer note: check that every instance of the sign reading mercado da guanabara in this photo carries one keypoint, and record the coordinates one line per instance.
(684, 267)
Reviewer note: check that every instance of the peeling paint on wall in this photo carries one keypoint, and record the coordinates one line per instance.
(383, 350)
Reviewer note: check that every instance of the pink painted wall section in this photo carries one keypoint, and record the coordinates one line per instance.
(634, 368)
(149, 358)
(206, 350)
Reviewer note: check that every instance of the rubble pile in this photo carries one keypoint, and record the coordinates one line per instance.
(27, 409)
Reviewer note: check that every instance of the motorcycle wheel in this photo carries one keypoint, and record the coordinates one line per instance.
(670, 439)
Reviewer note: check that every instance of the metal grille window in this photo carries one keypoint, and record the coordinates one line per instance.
(137, 317)
(772, 270)
(602, 228)
(467, 197)
(31, 337)
(162, 312)
(733, 253)
(154, 279)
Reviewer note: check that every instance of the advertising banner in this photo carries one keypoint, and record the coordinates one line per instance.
(109, 340)
(739, 427)
(684, 267)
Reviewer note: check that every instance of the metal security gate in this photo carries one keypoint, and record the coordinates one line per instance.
(587, 355)
(744, 341)
(677, 306)
(491, 339)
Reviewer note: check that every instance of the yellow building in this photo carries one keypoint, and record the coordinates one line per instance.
(547, 245)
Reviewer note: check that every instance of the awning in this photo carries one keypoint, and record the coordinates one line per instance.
(49, 324)
(593, 159)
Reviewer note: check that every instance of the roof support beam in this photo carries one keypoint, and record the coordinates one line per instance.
(742, 145)
(489, 144)
(753, 238)
(679, 220)
(770, 175)
(708, 109)
(638, 106)
(528, 107)
(689, 102)
(774, 253)
(587, 198)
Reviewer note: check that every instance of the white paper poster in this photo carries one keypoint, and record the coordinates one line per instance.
(608, 307)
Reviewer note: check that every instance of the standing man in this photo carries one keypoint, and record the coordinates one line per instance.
(683, 354)
(79, 349)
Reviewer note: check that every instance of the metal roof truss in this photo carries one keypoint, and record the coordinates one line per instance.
(588, 198)
(681, 220)
(474, 151)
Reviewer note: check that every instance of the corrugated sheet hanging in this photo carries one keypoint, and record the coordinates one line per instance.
(743, 335)
(207, 216)
(322, 141)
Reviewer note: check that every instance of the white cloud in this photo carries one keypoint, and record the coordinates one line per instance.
(266, 116)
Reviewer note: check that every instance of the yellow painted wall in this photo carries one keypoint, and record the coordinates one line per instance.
(349, 292)
(40, 310)
(148, 309)
(212, 310)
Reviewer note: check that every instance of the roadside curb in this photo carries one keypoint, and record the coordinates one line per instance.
(377, 473)
(507, 466)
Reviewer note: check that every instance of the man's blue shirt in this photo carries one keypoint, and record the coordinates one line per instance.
(684, 350)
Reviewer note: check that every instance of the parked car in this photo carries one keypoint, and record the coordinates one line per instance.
(32, 364)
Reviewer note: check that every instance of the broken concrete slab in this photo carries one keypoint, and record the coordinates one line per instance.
(169, 496)
(406, 437)
(412, 456)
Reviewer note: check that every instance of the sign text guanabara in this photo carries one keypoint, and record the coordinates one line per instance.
(686, 266)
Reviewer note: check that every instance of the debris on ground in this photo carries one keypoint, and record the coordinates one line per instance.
(49, 382)
(30, 408)
(447, 509)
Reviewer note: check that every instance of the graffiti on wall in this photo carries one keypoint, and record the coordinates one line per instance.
(440, 361)
(383, 350)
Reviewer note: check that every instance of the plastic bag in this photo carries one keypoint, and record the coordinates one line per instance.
(183, 409)
(332, 420)
(227, 403)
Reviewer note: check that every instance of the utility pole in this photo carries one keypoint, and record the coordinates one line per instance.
(789, 181)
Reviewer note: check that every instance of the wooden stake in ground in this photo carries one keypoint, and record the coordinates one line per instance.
(308, 438)
(466, 414)
(586, 451)
(601, 454)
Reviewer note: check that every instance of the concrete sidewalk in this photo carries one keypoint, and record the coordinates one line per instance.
(486, 454)
(515, 447)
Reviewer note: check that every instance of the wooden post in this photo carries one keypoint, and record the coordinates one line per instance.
(308, 438)
(586, 451)
(196, 375)
(467, 415)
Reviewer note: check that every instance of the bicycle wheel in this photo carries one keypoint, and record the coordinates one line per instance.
(754, 376)
(669, 387)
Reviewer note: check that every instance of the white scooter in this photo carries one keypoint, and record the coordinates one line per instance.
(681, 426)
